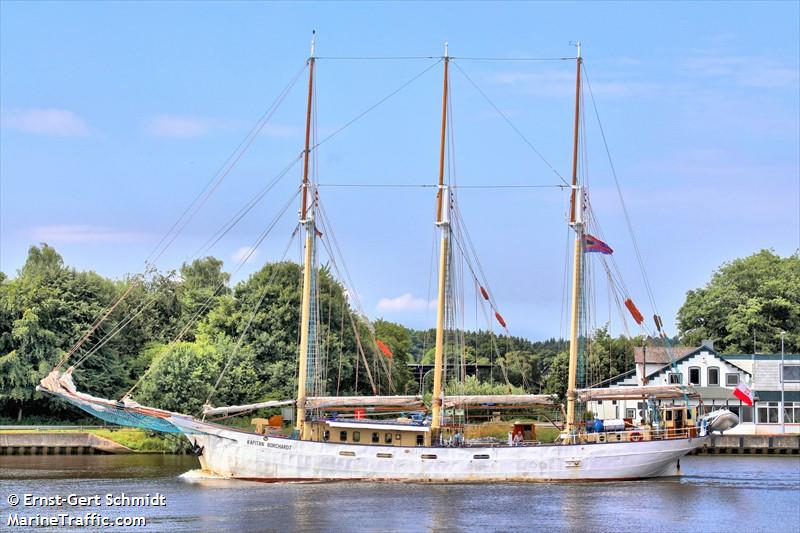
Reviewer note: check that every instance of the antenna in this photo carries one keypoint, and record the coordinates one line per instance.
(446, 54)
(313, 41)
(577, 44)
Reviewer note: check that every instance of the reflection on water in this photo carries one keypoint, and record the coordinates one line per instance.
(714, 494)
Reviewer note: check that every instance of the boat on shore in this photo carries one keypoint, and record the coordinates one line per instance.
(327, 446)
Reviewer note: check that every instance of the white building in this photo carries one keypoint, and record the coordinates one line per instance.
(714, 376)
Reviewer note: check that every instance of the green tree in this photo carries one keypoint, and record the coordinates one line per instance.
(557, 376)
(44, 311)
(608, 357)
(756, 295)
(202, 285)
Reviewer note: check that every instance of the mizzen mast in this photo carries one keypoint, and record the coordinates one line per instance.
(307, 221)
(576, 221)
(443, 222)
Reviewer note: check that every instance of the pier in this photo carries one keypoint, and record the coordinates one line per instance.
(752, 445)
(55, 443)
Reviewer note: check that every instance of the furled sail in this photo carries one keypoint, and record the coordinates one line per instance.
(632, 393)
(500, 399)
(407, 403)
(125, 412)
(211, 411)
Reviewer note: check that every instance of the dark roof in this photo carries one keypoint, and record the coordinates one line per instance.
(659, 355)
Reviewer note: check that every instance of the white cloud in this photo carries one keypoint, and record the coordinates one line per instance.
(47, 121)
(179, 126)
(78, 233)
(245, 253)
(405, 302)
(747, 71)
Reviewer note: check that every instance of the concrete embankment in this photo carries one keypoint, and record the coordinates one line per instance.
(752, 444)
(53, 443)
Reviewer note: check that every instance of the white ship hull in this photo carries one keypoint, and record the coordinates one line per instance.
(243, 455)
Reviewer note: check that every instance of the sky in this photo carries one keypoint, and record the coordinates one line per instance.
(115, 115)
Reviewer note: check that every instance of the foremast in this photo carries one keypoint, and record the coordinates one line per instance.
(307, 222)
(577, 223)
(443, 223)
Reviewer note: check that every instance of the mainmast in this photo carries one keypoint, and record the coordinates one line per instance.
(576, 221)
(307, 221)
(443, 222)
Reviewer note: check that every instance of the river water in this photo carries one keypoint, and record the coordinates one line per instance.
(725, 494)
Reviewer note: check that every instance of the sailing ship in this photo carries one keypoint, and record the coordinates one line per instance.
(326, 446)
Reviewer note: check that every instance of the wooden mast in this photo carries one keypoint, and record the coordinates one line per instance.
(576, 221)
(307, 220)
(443, 221)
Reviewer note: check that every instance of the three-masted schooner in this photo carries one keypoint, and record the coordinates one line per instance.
(341, 448)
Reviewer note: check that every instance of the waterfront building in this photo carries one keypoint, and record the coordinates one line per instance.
(776, 385)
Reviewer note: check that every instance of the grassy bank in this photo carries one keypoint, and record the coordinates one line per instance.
(137, 440)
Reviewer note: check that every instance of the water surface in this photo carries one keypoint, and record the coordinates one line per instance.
(725, 494)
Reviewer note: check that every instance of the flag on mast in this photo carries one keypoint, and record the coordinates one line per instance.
(744, 393)
(593, 244)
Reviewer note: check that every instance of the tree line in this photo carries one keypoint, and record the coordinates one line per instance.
(182, 338)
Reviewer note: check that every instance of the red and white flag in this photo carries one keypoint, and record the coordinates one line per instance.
(744, 393)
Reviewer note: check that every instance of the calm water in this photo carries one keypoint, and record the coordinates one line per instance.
(725, 494)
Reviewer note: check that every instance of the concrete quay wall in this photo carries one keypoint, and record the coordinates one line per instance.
(52, 443)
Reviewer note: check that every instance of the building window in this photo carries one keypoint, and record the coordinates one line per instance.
(694, 376)
(356, 436)
(326, 435)
(791, 412)
(376, 438)
(767, 412)
(674, 378)
(343, 436)
(731, 380)
(630, 412)
(791, 373)
(398, 437)
(746, 415)
(387, 438)
(420, 440)
(713, 377)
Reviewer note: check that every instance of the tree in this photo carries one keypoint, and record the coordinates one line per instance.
(203, 284)
(557, 377)
(756, 296)
(608, 356)
(44, 311)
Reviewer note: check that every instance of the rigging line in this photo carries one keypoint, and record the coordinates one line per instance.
(513, 58)
(239, 266)
(433, 186)
(508, 121)
(619, 193)
(115, 331)
(375, 58)
(208, 301)
(101, 318)
(217, 178)
(252, 317)
(244, 210)
(373, 106)
(326, 224)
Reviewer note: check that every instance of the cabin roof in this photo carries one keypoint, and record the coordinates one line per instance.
(386, 426)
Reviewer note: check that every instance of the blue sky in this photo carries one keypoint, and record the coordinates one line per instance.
(114, 115)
